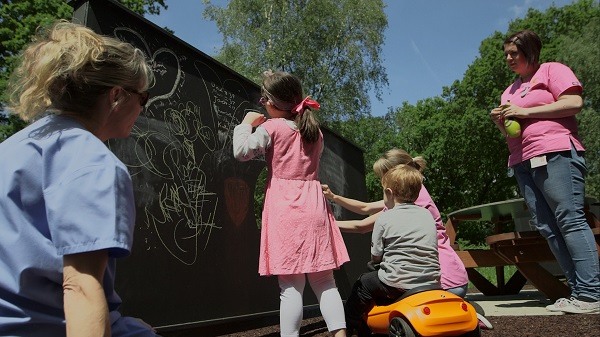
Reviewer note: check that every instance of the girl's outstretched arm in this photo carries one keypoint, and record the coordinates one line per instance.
(358, 226)
(358, 207)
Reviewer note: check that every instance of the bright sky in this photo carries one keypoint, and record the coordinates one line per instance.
(428, 43)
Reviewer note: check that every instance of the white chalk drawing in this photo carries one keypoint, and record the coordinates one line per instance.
(176, 144)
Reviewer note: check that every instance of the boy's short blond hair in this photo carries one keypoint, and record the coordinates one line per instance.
(404, 181)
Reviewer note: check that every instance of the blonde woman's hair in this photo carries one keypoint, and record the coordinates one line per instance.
(396, 157)
(405, 181)
(67, 67)
(285, 91)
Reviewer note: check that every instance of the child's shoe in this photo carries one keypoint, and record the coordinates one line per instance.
(484, 324)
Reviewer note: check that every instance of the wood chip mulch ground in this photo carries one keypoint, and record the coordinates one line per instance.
(504, 326)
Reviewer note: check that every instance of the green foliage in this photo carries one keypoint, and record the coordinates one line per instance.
(143, 7)
(259, 196)
(336, 55)
(461, 146)
(374, 135)
(490, 274)
(10, 124)
(589, 128)
(18, 22)
(581, 51)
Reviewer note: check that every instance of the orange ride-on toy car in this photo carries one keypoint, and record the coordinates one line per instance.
(425, 311)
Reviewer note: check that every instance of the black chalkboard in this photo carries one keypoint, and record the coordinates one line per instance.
(196, 245)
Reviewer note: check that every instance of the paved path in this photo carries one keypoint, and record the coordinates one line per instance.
(526, 303)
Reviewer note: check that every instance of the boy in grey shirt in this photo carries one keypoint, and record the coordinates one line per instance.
(403, 243)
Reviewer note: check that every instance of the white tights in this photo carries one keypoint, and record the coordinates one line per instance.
(291, 307)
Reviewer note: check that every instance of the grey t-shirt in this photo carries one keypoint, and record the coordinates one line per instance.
(406, 238)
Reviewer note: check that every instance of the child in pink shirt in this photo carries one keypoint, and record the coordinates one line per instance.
(454, 276)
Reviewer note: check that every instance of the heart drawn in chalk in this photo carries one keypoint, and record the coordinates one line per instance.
(164, 63)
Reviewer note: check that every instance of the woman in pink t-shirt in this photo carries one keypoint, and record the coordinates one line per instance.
(547, 160)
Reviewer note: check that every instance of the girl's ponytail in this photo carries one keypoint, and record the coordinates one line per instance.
(396, 157)
(308, 125)
(305, 119)
(419, 163)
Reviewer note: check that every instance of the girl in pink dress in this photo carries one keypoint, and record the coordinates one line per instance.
(299, 235)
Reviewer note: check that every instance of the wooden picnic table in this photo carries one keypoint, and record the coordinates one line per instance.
(526, 250)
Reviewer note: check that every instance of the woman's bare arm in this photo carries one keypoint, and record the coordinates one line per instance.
(86, 310)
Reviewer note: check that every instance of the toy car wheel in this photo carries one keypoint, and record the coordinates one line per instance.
(399, 327)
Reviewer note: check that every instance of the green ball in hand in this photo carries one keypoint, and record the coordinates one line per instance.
(512, 127)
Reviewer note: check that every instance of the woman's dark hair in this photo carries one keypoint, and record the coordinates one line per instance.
(527, 42)
(285, 92)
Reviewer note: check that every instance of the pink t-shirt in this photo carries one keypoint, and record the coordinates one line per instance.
(453, 272)
(540, 136)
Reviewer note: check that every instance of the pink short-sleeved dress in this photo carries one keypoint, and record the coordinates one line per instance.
(299, 233)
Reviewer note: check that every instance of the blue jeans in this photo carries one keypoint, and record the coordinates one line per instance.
(555, 196)
(459, 291)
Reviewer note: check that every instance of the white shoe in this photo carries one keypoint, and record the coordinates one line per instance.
(576, 306)
(560, 304)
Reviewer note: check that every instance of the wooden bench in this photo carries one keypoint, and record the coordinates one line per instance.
(525, 250)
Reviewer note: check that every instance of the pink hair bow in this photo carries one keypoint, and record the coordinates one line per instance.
(307, 102)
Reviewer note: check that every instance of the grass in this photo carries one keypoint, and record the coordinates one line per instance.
(490, 274)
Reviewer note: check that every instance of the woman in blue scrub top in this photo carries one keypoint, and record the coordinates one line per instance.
(66, 202)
